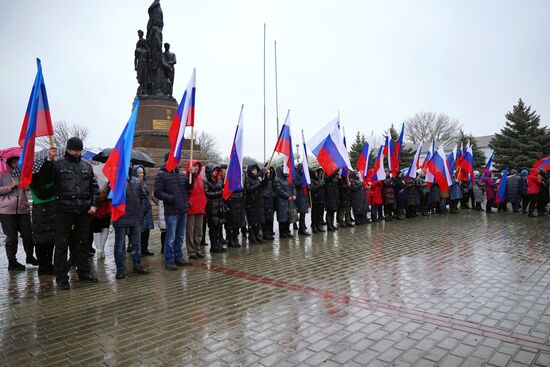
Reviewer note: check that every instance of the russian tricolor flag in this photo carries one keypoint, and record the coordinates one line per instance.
(425, 165)
(378, 173)
(438, 168)
(488, 166)
(185, 116)
(117, 167)
(543, 164)
(396, 154)
(37, 122)
(459, 155)
(306, 180)
(284, 147)
(388, 151)
(363, 160)
(467, 162)
(328, 147)
(234, 177)
(501, 190)
(451, 160)
(415, 164)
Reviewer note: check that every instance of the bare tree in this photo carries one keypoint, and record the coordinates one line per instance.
(209, 145)
(63, 132)
(427, 126)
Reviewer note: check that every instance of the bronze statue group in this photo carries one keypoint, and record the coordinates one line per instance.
(71, 213)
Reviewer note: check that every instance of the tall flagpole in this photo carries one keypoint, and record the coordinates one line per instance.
(191, 153)
(264, 94)
(276, 90)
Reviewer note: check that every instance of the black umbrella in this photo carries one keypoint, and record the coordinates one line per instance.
(137, 157)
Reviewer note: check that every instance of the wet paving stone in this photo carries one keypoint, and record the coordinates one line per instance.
(449, 290)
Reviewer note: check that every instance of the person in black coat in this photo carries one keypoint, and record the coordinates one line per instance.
(302, 200)
(43, 223)
(130, 224)
(467, 194)
(172, 188)
(284, 195)
(413, 197)
(235, 217)
(267, 195)
(344, 202)
(400, 195)
(543, 196)
(332, 199)
(76, 192)
(215, 210)
(254, 185)
(317, 190)
(359, 202)
(388, 197)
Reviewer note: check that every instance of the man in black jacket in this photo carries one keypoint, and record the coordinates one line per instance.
(172, 188)
(76, 194)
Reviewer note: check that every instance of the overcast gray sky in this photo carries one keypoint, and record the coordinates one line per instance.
(377, 62)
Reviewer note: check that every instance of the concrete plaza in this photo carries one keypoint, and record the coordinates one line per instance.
(450, 290)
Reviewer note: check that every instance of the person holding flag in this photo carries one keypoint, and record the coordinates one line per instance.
(317, 190)
(128, 198)
(513, 194)
(15, 211)
(254, 200)
(233, 188)
(489, 190)
(284, 184)
(501, 191)
(172, 187)
(76, 192)
(396, 153)
(303, 185)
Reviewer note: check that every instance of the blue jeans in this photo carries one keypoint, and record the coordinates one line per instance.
(135, 241)
(173, 243)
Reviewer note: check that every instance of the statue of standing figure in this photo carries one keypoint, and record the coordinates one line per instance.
(169, 60)
(155, 69)
(141, 58)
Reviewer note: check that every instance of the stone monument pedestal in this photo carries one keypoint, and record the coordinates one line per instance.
(151, 135)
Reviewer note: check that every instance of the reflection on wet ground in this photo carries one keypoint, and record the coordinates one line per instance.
(450, 290)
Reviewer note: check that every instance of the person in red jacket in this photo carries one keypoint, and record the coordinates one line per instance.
(534, 180)
(196, 212)
(374, 190)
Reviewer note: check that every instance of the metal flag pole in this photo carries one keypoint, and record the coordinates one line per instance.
(191, 154)
(276, 90)
(264, 94)
(304, 158)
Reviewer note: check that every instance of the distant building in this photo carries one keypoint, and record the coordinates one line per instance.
(482, 143)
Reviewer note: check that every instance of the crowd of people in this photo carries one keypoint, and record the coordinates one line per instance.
(72, 214)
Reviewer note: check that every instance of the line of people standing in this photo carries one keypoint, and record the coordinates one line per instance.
(70, 211)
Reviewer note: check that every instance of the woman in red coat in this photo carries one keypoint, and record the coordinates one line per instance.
(374, 190)
(534, 181)
(196, 212)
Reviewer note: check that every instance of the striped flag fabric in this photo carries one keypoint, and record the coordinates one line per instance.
(306, 180)
(327, 145)
(185, 116)
(284, 147)
(378, 173)
(501, 190)
(415, 164)
(396, 154)
(234, 177)
(117, 167)
(37, 122)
